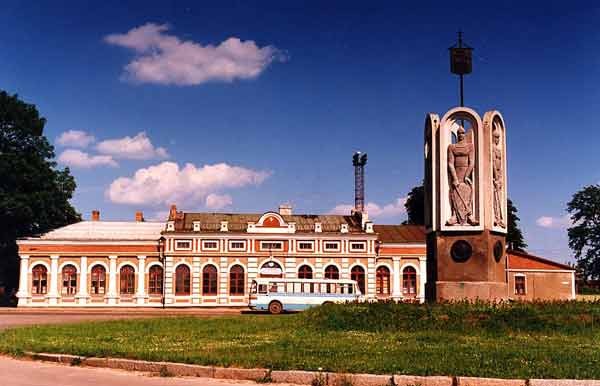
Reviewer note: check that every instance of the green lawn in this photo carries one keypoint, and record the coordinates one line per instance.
(312, 340)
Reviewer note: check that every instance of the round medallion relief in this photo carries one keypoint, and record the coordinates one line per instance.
(461, 251)
(498, 251)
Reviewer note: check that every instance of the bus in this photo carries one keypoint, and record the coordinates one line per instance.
(278, 295)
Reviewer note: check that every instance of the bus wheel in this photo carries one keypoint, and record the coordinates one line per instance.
(275, 308)
(327, 303)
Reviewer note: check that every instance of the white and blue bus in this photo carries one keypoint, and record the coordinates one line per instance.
(278, 295)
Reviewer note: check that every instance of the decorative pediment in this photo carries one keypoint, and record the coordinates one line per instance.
(271, 222)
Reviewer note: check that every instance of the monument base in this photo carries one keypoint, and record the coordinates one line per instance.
(471, 290)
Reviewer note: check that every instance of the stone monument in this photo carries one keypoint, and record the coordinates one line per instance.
(465, 205)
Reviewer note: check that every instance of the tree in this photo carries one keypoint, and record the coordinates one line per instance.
(514, 236)
(415, 206)
(584, 235)
(34, 194)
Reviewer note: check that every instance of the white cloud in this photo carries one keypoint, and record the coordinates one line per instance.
(79, 159)
(167, 183)
(374, 210)
(139, 147)
(165, 59)
(554, 222)
(218, 201)
(75, 138)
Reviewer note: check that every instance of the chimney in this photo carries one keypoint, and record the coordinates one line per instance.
(139, 216)
(285, 210)
(95, 215)
(359, 160)
(173, 212)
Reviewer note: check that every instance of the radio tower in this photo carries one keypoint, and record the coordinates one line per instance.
(359, 161)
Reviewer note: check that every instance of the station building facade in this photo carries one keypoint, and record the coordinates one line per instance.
(210, 259)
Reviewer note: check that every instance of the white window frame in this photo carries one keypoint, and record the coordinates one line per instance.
(337, 243)
(205, 248)
(178, 248)
(231, 248)
(524, 282)
(363, 247)
(263, 248)
(311, 249)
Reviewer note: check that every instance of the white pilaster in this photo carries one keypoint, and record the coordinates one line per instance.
(371, 290)
(169, 288)
(290, 267)
(23, 294)
(422, 278)
(397, 280)
(82, 294)
(54, 280)
(111, 296)
(196, 280)
(223, 282)
(141, 295)
(318, 268)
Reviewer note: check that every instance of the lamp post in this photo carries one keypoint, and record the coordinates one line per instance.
(161, 258)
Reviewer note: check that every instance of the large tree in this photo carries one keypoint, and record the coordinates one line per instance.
(34, 194)
(584, 235)
(514, 236)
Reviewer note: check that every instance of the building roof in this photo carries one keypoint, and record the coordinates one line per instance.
(523, 260)
(107, 230)
(398, 234)
(238, 222)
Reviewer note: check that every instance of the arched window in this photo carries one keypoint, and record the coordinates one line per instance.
(305, 272)
(69, 276)
(39, 276)
(358, 274)
(409, 282)
(383, 280)
(209, 280)
(127, 279)
(182, 280)
(332, 272)
(155, 280)
(98, 280)
(236, 280)
(271, 269)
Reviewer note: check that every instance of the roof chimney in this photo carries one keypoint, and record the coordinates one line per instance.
(173, 212)
(95, 215)
(359, 161)
(285, 210)
(139, 216)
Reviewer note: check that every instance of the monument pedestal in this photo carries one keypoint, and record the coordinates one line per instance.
(471, 290)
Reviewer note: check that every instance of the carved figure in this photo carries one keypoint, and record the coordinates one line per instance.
(461, 161)
(498, 175)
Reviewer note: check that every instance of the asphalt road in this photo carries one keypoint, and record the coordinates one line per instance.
(29, 373)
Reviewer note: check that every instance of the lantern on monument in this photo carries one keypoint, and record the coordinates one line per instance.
(461, 62)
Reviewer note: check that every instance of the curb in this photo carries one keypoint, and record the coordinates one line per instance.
(294, 376)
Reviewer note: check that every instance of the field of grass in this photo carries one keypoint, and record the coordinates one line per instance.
(544, 340)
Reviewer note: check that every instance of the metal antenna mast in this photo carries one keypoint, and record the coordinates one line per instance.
(359, 161)
(461, 62)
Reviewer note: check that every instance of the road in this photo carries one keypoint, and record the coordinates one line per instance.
(28, 373)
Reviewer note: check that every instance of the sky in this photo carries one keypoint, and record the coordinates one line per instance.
(242, 106)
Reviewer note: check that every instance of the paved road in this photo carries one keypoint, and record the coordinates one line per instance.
(13, 317)
(27, 373)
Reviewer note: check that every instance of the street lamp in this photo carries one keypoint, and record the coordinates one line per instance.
(161, 257)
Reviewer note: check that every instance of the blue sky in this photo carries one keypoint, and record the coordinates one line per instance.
(268, 101)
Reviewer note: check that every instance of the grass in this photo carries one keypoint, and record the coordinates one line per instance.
(543, 340)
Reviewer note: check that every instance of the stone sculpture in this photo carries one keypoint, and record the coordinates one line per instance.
(497, 175)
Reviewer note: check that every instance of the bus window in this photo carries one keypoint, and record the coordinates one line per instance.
(262, 289)
(253, 287)
(272, 287)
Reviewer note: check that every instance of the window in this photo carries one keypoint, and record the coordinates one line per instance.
(98, 280)
(39, 284)
(69, 276)
(271, 245)
(271, 269)
(127, 280)
(236, 280)
(382, 283)
(210, 245)
(332, 272)
(305, 272)
(183, 245)
(155, 280)
(237, 245)
(332, 246)
(209, 280)
(182, 280)
(305, 246)
(358, 274)
(409, 282)
(358, 246)
(520, 285)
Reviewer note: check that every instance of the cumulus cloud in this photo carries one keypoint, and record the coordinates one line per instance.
(374, 210)
(79, 159)
(75, 138)
(168, 183)
(218, 201)
(554, 222)
(165, 59)
(138, 147)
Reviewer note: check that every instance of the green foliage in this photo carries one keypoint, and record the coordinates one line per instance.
(514, 236)
(415, 206)
(34, 195)
(584, 235)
